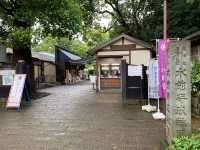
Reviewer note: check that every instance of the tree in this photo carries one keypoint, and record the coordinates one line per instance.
(59, 17)
(46, 44)
(94, 36)
(144, 18)
(74, 45)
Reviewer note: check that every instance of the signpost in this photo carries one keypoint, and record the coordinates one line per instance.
(178, 102)
(152, 85)
(16, 91)
(93, 80)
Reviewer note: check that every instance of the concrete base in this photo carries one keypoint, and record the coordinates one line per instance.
(149, 108)
(158, 116)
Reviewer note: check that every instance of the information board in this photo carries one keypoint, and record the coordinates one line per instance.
(153, 79)
(93, 79)
(134, 70)
(7, 76)
(16, 91)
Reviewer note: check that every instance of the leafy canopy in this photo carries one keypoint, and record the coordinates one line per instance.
(62, 18)
(144, 18)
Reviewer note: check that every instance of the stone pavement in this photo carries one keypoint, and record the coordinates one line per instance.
(76, 118)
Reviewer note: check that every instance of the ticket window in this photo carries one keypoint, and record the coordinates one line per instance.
(110, 71)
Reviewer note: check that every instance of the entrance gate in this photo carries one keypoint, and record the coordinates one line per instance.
(134, 81)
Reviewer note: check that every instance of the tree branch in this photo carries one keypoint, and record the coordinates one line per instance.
(105, 11)
(115, 7)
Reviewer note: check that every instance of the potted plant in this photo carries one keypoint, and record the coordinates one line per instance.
(196, 87)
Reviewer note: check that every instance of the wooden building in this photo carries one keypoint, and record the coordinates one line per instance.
(195, 45)
(69, 66)
(109, 55)
(44, 67)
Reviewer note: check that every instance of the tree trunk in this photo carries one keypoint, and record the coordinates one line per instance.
(25, 54)
(22, 51)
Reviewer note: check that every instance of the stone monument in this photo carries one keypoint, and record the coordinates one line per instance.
(178, 100)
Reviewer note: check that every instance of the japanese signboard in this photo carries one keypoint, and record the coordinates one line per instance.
(161, 54)
(134, 70)
(153, 79)
(7, 76)
(16, 91)
(178, 98)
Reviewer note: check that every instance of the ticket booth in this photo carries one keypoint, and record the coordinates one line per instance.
(110, 54)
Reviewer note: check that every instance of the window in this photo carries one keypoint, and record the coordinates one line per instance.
(110, 71)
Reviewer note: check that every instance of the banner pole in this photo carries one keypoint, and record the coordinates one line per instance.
(158, 114)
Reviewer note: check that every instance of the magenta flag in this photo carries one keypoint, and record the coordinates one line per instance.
(161, 47)
(161, 56)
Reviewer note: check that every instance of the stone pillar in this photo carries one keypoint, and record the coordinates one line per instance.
(178, 101)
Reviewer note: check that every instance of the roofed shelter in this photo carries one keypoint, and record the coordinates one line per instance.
(110, 54)
(68, 65)
(44, 67)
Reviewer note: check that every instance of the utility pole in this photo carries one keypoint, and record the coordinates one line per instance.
(165, 20)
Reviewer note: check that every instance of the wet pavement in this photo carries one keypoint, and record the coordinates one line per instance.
(76, 118)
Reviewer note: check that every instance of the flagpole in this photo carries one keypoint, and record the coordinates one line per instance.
(165, 20)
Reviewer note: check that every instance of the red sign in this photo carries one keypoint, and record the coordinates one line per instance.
(16, 91)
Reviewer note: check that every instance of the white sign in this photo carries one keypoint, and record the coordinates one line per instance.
(16, 91)
(134, 70)
(7, 76)
(153, 79)
(93, 79)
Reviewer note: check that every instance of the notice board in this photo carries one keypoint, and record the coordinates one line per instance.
(16, 91)
(134, 70)
(7, 76)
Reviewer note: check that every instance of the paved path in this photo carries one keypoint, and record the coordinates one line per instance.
(76, 118)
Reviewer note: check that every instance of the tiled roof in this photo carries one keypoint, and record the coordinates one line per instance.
(70, 55)
(44, 56)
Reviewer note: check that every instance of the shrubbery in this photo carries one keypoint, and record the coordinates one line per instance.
(195, 77)
(186, 143)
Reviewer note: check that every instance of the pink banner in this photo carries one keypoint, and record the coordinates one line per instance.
(161, 54)
(161, 46)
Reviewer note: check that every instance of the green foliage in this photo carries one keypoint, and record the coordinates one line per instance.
(49, 42)
(92, 37)
(91, 72)
(195, 77)
(186, 143)
(144, 18)
(95, 36)
(79, 47)
(21, 36)
(74, 45)
(63, 18)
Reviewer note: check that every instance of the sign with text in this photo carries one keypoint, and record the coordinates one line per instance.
(153, 79)
(134, 70)
(16, 91)
(178, 97)
(161, 46)
(7, 76)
